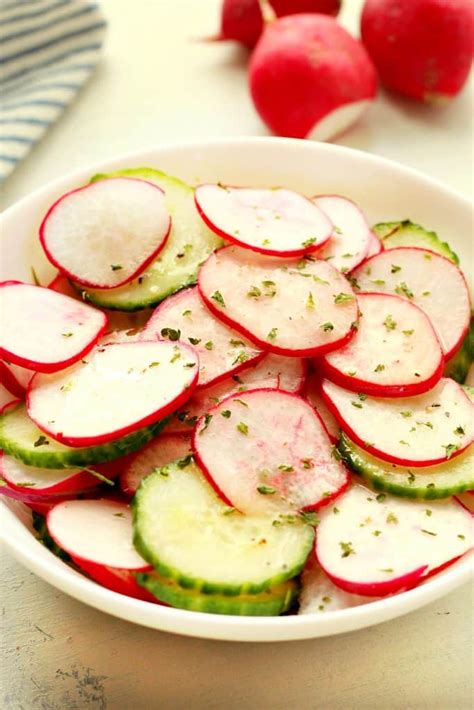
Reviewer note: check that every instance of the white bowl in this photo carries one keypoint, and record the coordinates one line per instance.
(386, 191)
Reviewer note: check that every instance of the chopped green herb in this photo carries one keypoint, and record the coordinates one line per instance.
(389, 323)
(226, 414)
(353, 282)
(155, 364)
(462, 537)
(335, 510)
(207, 421)
(309, 242)
(209, 345)
(194, 341)
(459, 431)
(343, 298)
(307, 463)
(163, 471)
(67, 335)
(327, 327)
(408, 332)
(310, 517)
(41, 441)
(185, 461)
(116, 267)
(66, 387)
(176, 356)
(265, 242)
(450, 449)
(403, 290)
(310, 301)
(389, 570)
(241, 357)
(317, 280)
(236, 343)
(186, 313)
(426, 293)
(411, 478)
(266, 490)
(217, 297)
(171, 333)
(377, 282)
(379, 368)
(347, 256)
(228, 511)
(391, 518)
(428, 532)
(347, 549)
(428, 512)
(356, 404)
(403, 442)
(351, 373)
(188, 364)
(376, 533)
(272, 334)
(241, 401)
(286, 468)
(243, 428)
(395, 268)
(380, 497)
(254, 292)
(236, 378)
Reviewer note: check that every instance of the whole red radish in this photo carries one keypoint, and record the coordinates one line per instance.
(422, 48)
(309, 78)
(242, 21)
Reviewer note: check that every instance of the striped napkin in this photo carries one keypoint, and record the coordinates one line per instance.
(48, 49)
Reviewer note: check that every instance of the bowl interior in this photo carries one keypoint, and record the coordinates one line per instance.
(385, 191)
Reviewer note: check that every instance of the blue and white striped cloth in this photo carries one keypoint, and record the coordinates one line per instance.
(48, 49)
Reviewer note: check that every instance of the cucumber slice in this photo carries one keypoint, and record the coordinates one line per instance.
(458, 367)
(428, 483)
(188, 246)
(271, 602)
(409, 234)
(21, 438)
(188, 534)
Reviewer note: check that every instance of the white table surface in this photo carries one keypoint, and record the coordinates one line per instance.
(155, 86)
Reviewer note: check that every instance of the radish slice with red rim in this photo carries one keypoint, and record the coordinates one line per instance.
(351, 235)
(104, 234)
(45, 481)
(376, 545)
(426, 279)
(159, 452)
(276, 221)
(314, 396)
(424, 430)
(288, 307)
(319, 594)
(44, 330)
(267, 451)
(6, 397)
(375, 246)
(221, 350)
(273, 372)
(61, 284)
(118, 389)
(98, 534)
(395, 353)
(15, 378)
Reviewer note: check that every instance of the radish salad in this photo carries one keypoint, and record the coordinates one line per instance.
(239, 400)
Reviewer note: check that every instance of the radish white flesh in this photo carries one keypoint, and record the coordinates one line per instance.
(157, 453)
(221, 350)
(104, 234)
(375, 246)
(44, 330)
(278, 222)
(273, 372)
(289, 307)
(45, 481)
(379, 544)
(267, 451)
(315, 398)
(15, 378)
(419, 431)
(427, 279)
(351, 235)
(118, 389)
(98, 531)
(319, 594)
(395, 352)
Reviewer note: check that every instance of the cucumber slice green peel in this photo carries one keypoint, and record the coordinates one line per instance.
(409, 234)
(188, 246)
(270, 602)
(458, 366)
(21, 438)
(426, 483)
(191, 536)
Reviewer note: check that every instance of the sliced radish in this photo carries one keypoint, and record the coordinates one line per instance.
(15, 378)
(378, 544)
(61, 284)
(39, 503)
(104, 234)
(44, 330)
(118, 389)
(395, 353)
(351, 235)
(314, 396)
(6, 397)
(289, 307)
(375, 246)
(427, 279)
(221, 350)
(98, 535)
(270, 221)
(45, 481)
(418, 431)
(267, 451)
(273, 372)
(320, 595)
(157, 453)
